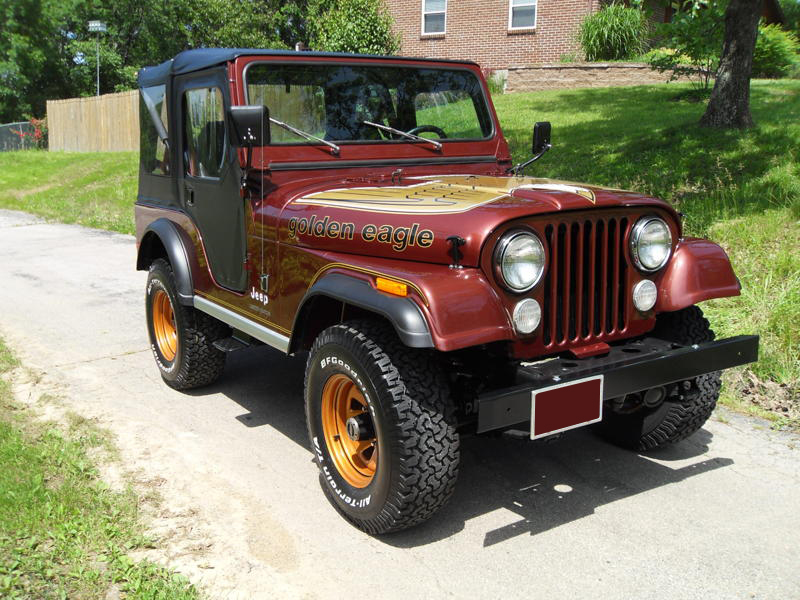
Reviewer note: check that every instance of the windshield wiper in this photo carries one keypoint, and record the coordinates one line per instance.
(334, 148)
(410, 136)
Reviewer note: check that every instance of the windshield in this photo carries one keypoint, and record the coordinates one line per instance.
(334, 101)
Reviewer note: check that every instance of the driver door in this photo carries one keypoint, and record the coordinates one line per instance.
(208, 179)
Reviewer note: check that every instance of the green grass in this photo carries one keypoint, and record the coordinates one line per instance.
(63, 533)
(91, 189)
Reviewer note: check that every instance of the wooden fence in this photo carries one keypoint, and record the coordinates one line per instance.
(105, 123)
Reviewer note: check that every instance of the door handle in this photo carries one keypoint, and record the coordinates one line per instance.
(189, 194)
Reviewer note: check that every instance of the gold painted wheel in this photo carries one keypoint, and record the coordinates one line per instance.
(349, 431)
(164, 327)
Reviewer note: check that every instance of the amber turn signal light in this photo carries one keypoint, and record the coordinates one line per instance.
(391, 287)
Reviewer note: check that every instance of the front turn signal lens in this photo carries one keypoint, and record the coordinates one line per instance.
(527, 316)
(391, 287)
(645, 295)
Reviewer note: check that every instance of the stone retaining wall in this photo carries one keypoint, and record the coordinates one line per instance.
(580, 75)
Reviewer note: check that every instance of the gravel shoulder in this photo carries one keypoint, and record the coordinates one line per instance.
(241, 513)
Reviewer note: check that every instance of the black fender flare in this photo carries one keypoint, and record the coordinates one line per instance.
(170, 236)
(403, 313)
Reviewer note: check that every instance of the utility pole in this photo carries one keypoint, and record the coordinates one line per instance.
(97, 27)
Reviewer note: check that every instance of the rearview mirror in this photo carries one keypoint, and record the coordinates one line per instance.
(250, 125)
(541, 137)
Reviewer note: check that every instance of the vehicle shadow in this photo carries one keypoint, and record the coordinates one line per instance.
(268, 385)
(549, 484)
(546, 484)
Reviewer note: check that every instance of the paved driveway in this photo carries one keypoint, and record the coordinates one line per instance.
(242, 513)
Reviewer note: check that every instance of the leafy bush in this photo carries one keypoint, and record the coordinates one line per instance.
(496, 81)
(37, 134)
(616, 32)
(362, 26)
(776, 52)
(692, 43)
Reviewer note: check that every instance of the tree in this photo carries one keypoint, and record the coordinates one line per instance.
(32, 68)
(362, 26)
(729, 105)
(47, 52)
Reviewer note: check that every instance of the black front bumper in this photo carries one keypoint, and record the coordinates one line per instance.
(632, 367)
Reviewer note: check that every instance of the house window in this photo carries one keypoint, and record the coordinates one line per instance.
(521, 14)
(433, 16)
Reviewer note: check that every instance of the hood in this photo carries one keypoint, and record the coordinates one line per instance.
(412, 218)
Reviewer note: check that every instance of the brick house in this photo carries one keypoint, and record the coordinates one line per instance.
(498, 34)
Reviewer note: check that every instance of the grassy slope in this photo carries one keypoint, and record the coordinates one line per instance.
(740, 188)
(93, 189)
(63, 533)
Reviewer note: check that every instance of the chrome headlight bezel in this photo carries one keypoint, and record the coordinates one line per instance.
(499, 254)
(635, 239)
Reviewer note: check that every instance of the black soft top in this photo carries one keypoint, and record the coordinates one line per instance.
(194, 60)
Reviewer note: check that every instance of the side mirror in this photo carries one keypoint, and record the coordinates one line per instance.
(541, 137)
(250, 125)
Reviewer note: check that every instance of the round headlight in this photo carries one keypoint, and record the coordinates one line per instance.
(651, 243)
(519, 261)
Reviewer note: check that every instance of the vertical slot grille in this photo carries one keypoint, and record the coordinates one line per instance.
(584, 290)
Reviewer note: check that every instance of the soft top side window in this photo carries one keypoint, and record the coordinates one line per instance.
(153, 151)
(205, 132)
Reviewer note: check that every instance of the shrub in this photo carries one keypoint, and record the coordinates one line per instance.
(362, 26)
(692, 43)
(776, 52)
(495, 80)
(616, 32)
(38, 134)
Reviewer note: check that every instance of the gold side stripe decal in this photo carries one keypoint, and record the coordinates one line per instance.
(252, 315)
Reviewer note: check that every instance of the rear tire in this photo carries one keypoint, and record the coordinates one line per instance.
(181, 337)
(689, 403)
(382, 427)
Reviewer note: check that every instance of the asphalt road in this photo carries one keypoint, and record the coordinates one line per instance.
(242, 512)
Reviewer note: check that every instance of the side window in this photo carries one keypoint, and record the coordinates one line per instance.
(205, 132)
(153, 152)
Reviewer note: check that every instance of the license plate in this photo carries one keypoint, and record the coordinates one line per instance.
(566, 406)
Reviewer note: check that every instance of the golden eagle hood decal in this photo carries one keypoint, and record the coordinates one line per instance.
(436, 195)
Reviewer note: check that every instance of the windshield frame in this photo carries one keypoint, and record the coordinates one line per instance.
(377, 64)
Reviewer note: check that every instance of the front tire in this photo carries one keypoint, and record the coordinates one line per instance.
(181, 337)
(632, 424)
(382, 427)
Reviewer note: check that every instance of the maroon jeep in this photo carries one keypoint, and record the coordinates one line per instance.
(365, 210)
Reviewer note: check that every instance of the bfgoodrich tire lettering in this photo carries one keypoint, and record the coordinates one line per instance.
(414, 424)
(689, 404)
(192, 361)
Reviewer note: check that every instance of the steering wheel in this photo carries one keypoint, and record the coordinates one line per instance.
(432, 128)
